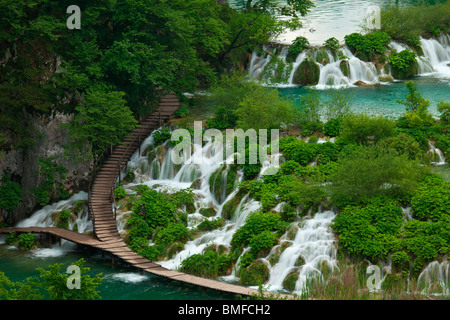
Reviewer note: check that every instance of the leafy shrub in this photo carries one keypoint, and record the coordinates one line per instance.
(182, 112)
(10, 193)
(157, 208)
(161, 135)
(263, 242)
(370, 231)
(431, 200)
(64, 216)
(119, 193)
(137, 227)
(173, 232)
(403, 144)
(297, 193)
(26, 240)
(298, 151)
(361, 128)
(257, 222)
(369, 44)
(331, 127)
(332, 44)
(444, 109)
(297, 46)
(371, 171)
(208, 225)
(208, 265)
(50, 172)
(402, 63)
(424, 241)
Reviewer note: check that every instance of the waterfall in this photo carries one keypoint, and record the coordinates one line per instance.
(434, 279)
(300, 58)
(434, 62)
(437, 157)
(314, 244)
(45, 218)
(436, 57)
(258, 63)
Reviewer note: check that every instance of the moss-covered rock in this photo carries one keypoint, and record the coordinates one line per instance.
(307, 73)
(386, 78)
(231, 205)
(257, 273)
(290, 280)
(222, 182)
(300, 261)
(208, 212)
(345, 68)
(322, 56)
(196, 184)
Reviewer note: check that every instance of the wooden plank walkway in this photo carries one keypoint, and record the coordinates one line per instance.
(101, 198)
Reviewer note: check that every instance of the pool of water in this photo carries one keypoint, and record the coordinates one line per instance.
(382, 99)
(332, 18)
(120, 282)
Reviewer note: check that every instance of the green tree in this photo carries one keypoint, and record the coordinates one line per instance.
(273, 111)
(256, 22)
(361, 128)
(372, 171)
(104, 120)
(414, 101)
(55, 283)
(10, 193)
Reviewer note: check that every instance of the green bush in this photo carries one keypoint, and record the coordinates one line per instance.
(368, 45)
(64, 216)
(431, 200)
(372, 171)
(332, 44)
(50, 171)
(207, 265)
(297, 46)
(173, 232)
(403, 144)
(208, 225)
(361, 128)
(162, 135)
(10, 193)
(371, 231)
(403, 64)
(257, 222)
(26, 240)
(182, 112)
(332, 127)
(157, 208)
(119, 193)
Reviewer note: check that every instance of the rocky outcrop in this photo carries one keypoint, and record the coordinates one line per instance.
(307, 73)
(50, 141)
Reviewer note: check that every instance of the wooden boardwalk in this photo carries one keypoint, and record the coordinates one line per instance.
(101, 199)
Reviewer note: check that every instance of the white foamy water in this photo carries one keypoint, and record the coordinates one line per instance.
(44, 218)
(129, 277)
(314, 242)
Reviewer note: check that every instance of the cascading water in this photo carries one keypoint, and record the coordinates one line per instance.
(45, 218)
(313, 245)
(436, 57)
(437, 157)
(434, 62)
(434, 279)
